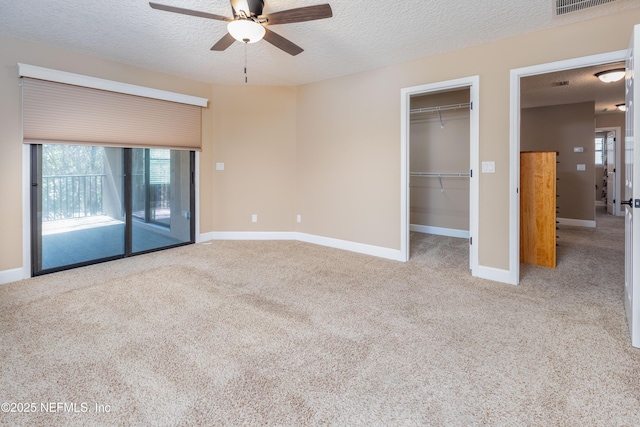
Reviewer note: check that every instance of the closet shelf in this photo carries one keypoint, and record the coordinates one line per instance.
(440, 108)
(441, 174)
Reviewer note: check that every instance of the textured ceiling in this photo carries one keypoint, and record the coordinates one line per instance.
(362, 35)
(579, 85)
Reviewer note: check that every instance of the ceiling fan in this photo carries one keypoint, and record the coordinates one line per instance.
(248, 24)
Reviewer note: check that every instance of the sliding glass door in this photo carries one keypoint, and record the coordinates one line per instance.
(93, 204)
(161, 198)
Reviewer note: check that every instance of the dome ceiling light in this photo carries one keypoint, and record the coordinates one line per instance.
(611, 76)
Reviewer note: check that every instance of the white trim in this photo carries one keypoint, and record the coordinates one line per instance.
(405, 123)
(440, 231)
(250, 235)
(378, 251)
(13, 275)
(26, 211)
(514, 141)
(197, 195)
(495, 274)
(32, 71)
(473, 83)
(205, 237)
(576, 222)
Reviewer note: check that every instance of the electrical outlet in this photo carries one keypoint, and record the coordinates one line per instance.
(254, 218)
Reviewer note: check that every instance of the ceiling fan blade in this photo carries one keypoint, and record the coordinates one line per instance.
(223, 43)
(189, 12)
(300, 14)
(282, 43)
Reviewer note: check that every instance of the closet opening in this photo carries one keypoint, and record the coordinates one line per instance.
(439, 167)
(440, 190)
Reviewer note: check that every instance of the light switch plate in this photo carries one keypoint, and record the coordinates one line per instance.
(582, 167)
(578, 149)
(219, 166)
(488, 167)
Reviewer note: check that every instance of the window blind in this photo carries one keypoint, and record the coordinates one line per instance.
(59, 113)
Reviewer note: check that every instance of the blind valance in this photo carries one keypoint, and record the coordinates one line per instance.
(67, 114)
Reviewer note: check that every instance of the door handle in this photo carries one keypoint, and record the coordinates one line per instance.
(627, 202)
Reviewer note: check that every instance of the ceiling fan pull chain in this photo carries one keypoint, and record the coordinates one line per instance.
(246, 79)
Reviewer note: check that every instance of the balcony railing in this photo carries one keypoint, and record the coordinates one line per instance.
(72, 196)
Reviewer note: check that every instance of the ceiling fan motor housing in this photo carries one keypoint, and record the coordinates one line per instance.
(255, 7)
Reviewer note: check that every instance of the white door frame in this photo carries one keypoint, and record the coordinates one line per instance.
(514, 144)
(473, 83)
(617, 164)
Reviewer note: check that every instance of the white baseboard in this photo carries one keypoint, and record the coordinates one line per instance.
(495, 274)
(249, 235)
(450, 232)
(600, 203)
(13, 275)
(205, 237)
(392, 254)
(577, 222)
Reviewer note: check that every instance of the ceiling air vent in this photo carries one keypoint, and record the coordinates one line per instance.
(567, 6)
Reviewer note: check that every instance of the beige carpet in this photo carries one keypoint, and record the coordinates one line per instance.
(288, 333)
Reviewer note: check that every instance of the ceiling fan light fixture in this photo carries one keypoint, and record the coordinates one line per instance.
(621, 107)
(611, 76)
(246, 30)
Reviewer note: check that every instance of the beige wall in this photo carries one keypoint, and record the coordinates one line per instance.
(344, 135)
(254, 134)
(348, 159)
(437, 146)
(561, 128)
(341, 120)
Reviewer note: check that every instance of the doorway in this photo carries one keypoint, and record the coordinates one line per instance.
(439, 184)
(91, 204)
(611, 174)
(516, 76)
(431, 94)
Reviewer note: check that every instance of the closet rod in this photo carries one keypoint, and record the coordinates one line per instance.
(440, 108)
(441, 174)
